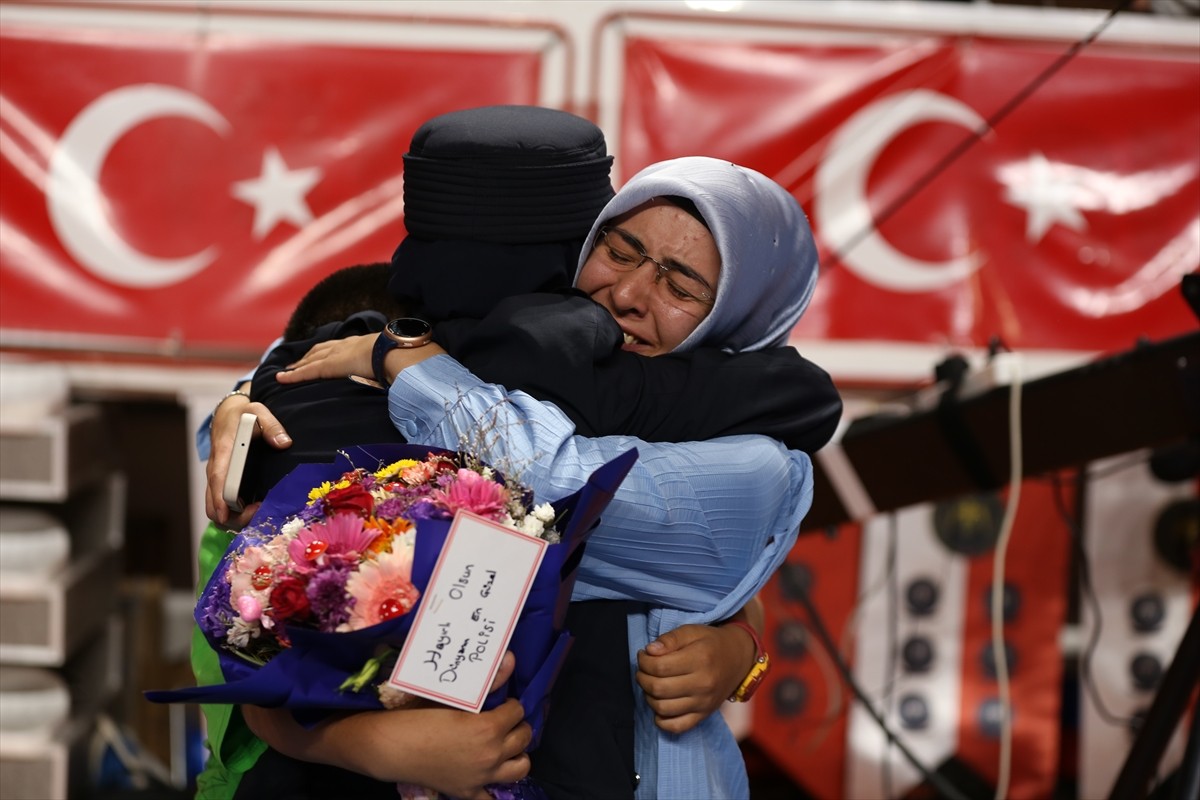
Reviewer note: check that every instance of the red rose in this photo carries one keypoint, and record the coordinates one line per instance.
(288, 600)
(353, 498)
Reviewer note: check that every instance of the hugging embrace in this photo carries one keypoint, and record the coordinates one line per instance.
(574, 324)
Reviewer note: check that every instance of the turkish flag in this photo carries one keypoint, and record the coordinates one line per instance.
(191, 186)
(1067, 226)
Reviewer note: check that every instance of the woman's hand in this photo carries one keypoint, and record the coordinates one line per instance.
(455, 752)
(224, 429)
(689, 672)
(341, 358)
(335, 358)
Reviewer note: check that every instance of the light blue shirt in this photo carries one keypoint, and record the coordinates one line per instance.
(695, 530)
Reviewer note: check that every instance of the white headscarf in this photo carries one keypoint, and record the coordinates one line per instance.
(768, 256)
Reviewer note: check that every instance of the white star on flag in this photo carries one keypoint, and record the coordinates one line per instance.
(1049, 193)
(277, 194)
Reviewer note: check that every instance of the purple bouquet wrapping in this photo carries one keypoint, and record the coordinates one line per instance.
(314, 598)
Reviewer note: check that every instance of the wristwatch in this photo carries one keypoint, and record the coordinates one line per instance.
(403, 332)
(762, 663)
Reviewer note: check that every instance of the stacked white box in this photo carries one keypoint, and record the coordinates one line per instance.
(58, 617)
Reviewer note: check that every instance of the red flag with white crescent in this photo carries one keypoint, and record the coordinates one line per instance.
(1067, 226)
(190, 187)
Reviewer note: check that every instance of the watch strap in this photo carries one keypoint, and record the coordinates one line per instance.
(384, 344)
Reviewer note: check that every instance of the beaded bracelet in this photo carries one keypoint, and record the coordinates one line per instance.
(234, 393)
(762, 662)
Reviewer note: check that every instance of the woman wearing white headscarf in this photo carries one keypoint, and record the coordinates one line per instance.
(696, 529)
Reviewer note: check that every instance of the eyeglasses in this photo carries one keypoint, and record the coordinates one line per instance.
(676, 287)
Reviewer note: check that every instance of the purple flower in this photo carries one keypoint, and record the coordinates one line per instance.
(310, 513)
(524, 789)
(216, 615)
(327, 596)
(427, 509)
(392, 508)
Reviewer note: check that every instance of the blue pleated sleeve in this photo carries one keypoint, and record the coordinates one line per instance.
(695, 531)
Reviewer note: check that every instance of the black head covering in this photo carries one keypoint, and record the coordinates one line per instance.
(498, 201)
(506, 175)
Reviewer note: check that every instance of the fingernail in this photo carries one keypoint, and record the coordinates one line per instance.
(283, 438)
(654, 647)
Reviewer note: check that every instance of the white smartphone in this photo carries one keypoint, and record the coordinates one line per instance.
(231, 491)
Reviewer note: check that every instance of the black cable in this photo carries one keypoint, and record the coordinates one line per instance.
(1088, 591)
(797, 590)
(893, 627)
(988, 125)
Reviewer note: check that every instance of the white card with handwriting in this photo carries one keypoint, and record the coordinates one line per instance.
(468, 612)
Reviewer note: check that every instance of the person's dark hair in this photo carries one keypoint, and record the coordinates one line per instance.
(362, 287)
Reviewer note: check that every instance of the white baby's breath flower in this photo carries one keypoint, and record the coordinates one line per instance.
(292, 527)
(241, 632)
(544, 512)
(531, 526)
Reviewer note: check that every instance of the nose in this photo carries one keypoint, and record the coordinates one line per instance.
(632, 291)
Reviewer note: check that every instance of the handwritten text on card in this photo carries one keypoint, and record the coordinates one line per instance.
(468, 613)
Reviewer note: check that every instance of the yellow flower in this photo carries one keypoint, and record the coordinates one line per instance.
(394, 469)
(325, 488)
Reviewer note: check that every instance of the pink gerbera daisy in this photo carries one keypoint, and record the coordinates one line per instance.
(381, 589)
(341, 534)
(473, 492)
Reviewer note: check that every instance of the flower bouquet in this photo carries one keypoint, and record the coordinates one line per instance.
(312, 601)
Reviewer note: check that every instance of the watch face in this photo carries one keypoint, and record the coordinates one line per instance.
(409, 328)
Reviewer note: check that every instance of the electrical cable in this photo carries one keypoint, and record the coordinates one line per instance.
(893, 631)
(836, 700)
(850, 630)
(999, 651)
(1088, 592)
(835, 693)
(848, 635)
(938, 782)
